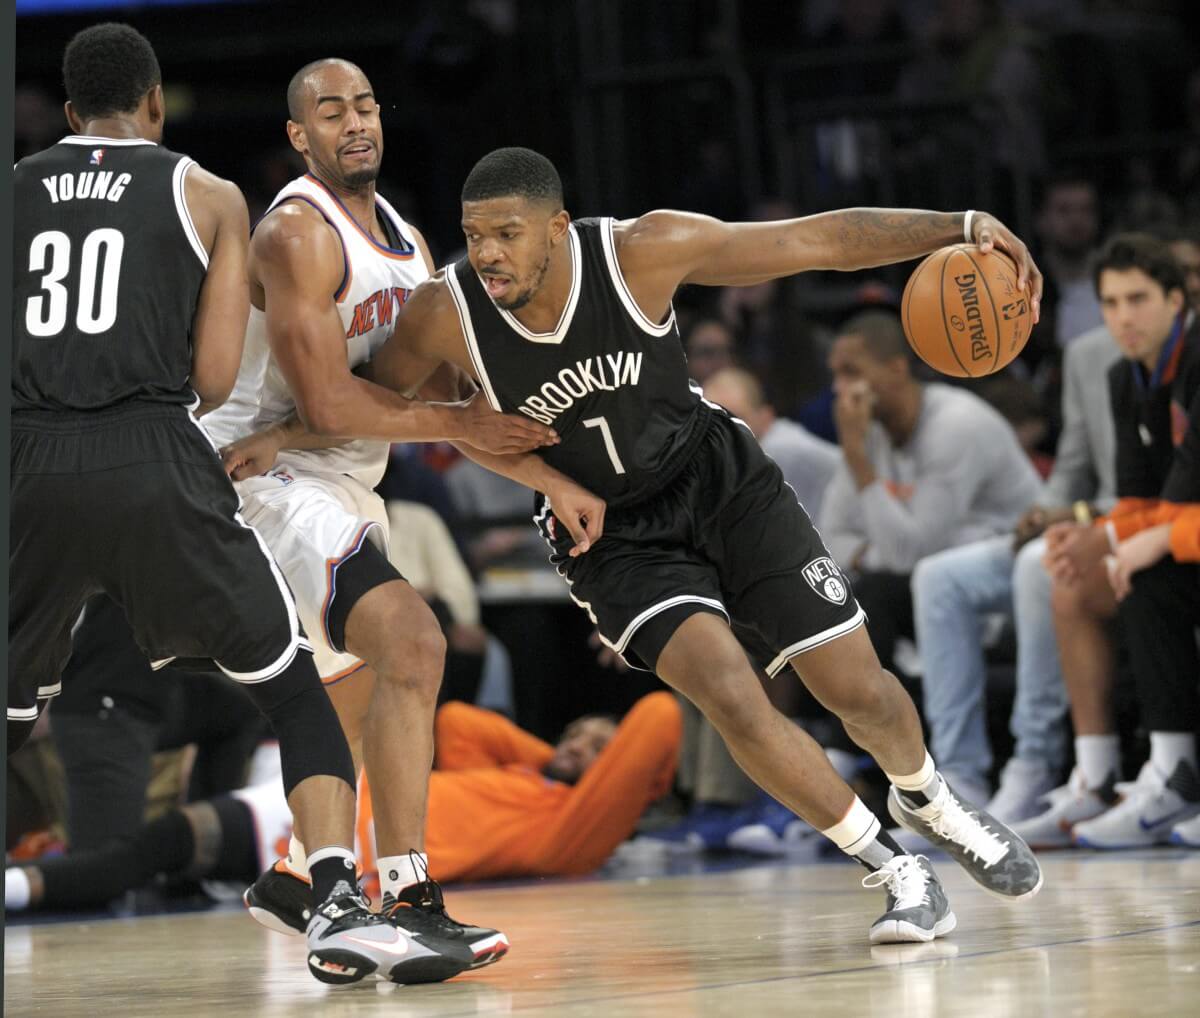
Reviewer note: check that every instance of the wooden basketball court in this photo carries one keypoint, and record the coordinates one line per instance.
(1107, 936)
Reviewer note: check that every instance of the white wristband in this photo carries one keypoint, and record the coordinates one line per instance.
(967, 235)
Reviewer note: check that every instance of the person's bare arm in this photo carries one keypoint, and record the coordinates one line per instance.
(581, 512)
(257, 452)
(219, 215)
(297, 260)
(664, 249)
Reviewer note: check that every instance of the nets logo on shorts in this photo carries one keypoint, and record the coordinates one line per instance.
(826, 579)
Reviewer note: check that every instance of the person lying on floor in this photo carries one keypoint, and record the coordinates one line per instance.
(502, 803)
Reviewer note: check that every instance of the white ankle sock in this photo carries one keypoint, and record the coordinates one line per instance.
(1098, 756)
(297, 859)
(397, 872)
(925, 781)
(858, 833)
(1168, 748)
(16, 889)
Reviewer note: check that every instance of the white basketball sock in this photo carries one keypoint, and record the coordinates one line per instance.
(397, 872)
(1098, 756)
(858, 835)
(1168, 748)
(297, 859)
(923, 783)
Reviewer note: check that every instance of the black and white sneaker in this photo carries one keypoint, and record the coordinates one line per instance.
(347, 942)
(996, 858)
(421, 909)
(917, 908)
(280, 900)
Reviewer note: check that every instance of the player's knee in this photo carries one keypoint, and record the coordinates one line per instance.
(415, 657)
(869, 701)
(725, 696)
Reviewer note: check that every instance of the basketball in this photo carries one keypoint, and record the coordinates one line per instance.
(963, 313)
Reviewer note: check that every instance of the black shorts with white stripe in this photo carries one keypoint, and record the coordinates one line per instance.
(726, 536)
(134, 502)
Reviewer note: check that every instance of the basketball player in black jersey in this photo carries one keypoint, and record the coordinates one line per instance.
(130, 303)
(707, 560)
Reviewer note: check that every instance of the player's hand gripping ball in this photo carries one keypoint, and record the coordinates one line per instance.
(964, 311)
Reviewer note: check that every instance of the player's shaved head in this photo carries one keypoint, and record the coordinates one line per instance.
(302, 88)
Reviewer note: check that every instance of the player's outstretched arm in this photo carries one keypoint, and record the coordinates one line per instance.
(297, 261)
(664, 249)
(219, 214)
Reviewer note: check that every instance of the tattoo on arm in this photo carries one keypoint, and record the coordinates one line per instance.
(879, 230)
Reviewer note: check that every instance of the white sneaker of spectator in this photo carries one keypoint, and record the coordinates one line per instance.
(1187, 833)
(1151, 807)
(1062, 808)
(1022, 784)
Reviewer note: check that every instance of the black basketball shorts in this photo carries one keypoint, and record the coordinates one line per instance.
(727, 536)
(134, 502)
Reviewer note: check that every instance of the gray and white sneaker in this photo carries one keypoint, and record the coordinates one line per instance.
(347, 942)
(993, 855)
(917, 908)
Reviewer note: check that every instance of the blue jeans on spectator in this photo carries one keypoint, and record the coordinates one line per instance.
(952, 593)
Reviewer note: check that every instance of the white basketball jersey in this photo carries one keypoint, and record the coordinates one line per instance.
(375, 284)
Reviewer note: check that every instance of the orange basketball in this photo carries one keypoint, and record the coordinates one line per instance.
(962, 312)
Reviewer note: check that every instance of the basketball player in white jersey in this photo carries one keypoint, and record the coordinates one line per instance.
(330, 265)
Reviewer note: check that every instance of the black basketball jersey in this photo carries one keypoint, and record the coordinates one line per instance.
(612, 383)
(107, 269)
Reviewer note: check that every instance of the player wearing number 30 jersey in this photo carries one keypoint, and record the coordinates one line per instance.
(129, 306)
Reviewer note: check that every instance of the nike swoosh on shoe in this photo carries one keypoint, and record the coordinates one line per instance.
(1147, 825)
(378, 945)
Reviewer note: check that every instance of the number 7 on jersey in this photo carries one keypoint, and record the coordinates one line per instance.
(602, 424)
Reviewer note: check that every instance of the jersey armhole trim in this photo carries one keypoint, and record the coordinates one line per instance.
(398, 225)
(622, 288)
(468, 331)
(347, 273)
(185, 216)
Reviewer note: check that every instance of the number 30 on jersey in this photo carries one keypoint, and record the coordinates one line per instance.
(99, 278)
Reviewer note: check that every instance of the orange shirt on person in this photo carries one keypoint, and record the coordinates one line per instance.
(492, 813)
(1131, 516)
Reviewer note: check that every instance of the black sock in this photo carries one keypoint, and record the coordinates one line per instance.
(919, 798)
(328, 872)
(882, 849)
